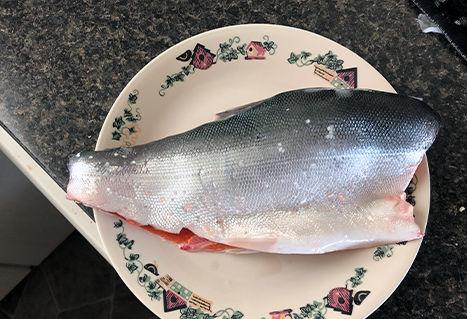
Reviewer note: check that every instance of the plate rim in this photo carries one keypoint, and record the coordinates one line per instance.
(223, 29)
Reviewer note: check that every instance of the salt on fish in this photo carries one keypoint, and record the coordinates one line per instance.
(306, 171)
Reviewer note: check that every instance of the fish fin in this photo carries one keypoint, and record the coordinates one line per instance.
(231, 112)
(259, 244)
(403, 207)
(404, 212)
(185, 239)
(197, 243)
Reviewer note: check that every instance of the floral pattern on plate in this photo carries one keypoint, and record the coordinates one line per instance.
(199, 286)
(202, 58)
(175, 296)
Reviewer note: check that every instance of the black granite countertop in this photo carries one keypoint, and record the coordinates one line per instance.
(63, 63)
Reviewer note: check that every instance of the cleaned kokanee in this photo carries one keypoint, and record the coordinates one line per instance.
(306, 171)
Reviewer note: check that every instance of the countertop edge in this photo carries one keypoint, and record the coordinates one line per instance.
(51, 190)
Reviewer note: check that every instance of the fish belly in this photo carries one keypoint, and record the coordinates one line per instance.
(307, 171)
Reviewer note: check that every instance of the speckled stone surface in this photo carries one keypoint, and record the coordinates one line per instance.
(63, 63)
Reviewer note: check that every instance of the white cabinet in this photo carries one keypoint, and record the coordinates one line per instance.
(30, 226)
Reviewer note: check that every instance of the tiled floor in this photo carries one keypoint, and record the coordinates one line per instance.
(75, 281)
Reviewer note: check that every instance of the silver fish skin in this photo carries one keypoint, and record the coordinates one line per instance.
(306, 171)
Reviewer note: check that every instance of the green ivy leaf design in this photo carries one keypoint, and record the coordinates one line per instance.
(116, 135)
(118, 224)
(169, 81)
(224, 47)
(360, 272)
(293, 58)
(134, 256)
(241, 49)
(355, 282)
(227, 53)
(331, 56)
(335, 65)
(233, 55)
(383, 251)
(305, 55)
(186, 69)
(379, 253)
(118, 123)
(179, 77)
(129, 116)
(307, 311)
(145, 278)
(156, 294)
(132, 98)
(207, 316)
(319, 59)
(131, 267)
(330, 61)
(268, 45)
(300, 59)
(311, 311)
(151, 285)
(237, 315)
(319, 315)
(189, 313)
(132, 130)
(134, 265)
(129, 244)
(121, 238)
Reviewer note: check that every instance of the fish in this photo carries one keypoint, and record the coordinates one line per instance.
(307, 171)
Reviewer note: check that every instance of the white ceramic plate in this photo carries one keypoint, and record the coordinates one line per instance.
(215, 71)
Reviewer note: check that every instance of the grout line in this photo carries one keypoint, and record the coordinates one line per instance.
(50, 290)
(86, 304)
(4, 313)
(113, 293)
(24, 290)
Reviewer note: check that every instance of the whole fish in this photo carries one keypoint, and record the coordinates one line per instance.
(306, 171)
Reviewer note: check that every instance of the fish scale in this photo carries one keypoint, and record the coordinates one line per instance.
(306, 171)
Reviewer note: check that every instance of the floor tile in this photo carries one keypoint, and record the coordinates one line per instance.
(126, 305)
(37, 301)
(77, 276)
(77, 273)
(99, 310)
(10, 277)
(10, 302)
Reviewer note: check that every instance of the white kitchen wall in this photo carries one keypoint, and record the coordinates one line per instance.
(30, 226)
